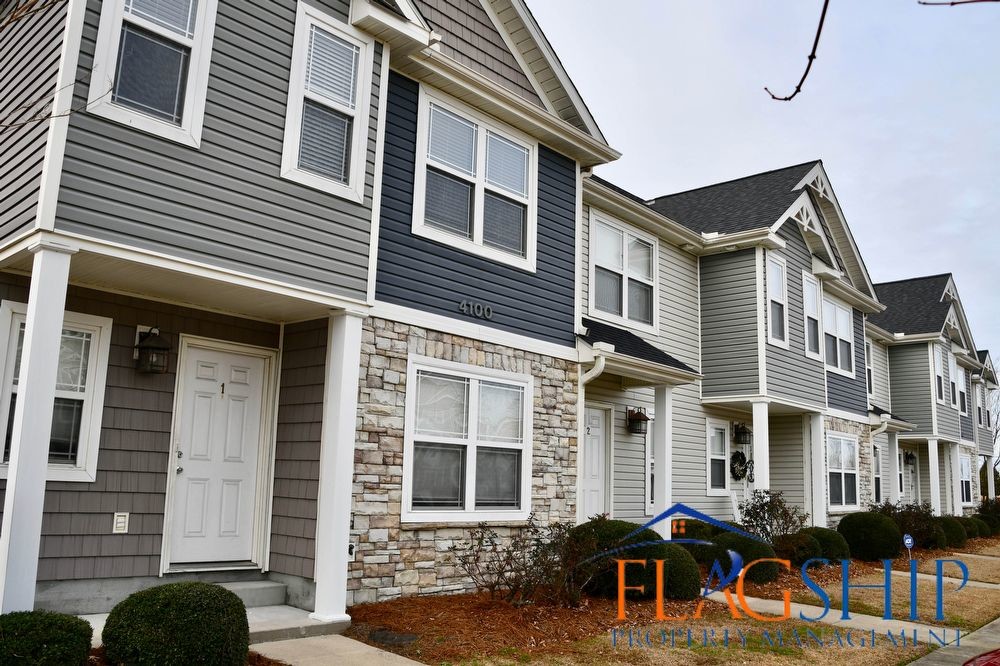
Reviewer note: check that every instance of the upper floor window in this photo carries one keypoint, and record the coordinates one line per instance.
(979, 405)
(475, 183)
(79, 398)
(623, 270)
(877, 474)
(842, 463)
(838, 332)
(777, 301)
(939, 372)
(868, 367)
(811, 299)
(151, 65)
(326, 120)
(953, 379)
(963, 393)
(965, 465)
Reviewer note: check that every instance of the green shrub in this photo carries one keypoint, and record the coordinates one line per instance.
(971, 528)
(989, 512)
(832, 544)
(917, 520)
(797, 548)
(993, 522)
(42, 638)
(178, 623)
(767, 515)
(682, 578)
(749, 550)
(954, 532)
(871, 536)
(604, 534)
(984, 529)
(695, 529)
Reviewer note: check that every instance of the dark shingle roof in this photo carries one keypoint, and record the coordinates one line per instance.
(752, 202)
(620, 190)
(912, 306)
(630, 344)
(878, 411)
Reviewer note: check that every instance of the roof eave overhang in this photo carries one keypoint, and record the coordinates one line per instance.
(907, 338)
(639, 372)
(433, 67)
(716, 243)
(851, 295)
(600, 196)
(399, 33)
(877, 332)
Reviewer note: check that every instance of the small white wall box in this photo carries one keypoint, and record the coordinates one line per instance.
(120, 525)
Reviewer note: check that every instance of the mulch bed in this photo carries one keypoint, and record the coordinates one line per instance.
(97, 658)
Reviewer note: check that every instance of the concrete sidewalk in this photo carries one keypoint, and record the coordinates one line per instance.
(975, 643)
(329, 650)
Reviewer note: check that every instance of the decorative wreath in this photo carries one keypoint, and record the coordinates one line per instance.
(740, 467)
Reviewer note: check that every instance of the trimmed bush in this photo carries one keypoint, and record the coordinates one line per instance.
(797, 548)
(832, 544)
(604, 534)
(993, 522)
(42, 638)
(971, 528)
(695, 529)
(989, 512)
(917, 520)
(178, 623)
(954, 532)
(871, 536)
(749, 550)
(682, 578)
(984, 529)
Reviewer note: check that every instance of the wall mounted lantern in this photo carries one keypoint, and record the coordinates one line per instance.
(638, 421)
(152, 353)
(909, 458)
(742, 435)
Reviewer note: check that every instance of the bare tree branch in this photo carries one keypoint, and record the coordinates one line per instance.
(809, 64)
(945, 3)
(28, 8)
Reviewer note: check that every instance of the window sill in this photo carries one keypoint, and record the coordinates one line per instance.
(838, 510)
(842, 373)
(814, 356)
(412, 519)
(781, 344)
(322, 184)
(717, 492)
(608, 318)
(465, 245)
(187, 136)
(61, 473)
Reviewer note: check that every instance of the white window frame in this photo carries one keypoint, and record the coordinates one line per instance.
(838, 305)
(306, 17)
(939, 392)
(710, 425)
(963, 480)
(809, 281)
(416, 363)
(102, 79)
(485, 124)
(843, 436)
(869, 371)
(979, 406)
(963, 394)
(649, 470)
(877, 474)
(596, 218)
(779, 261)
(12, 314)
(899, 470)
(953, 379)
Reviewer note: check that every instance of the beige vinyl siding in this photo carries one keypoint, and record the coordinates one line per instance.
(729, 324)
(984, 435)
(787, 451)
(948, 423)
(923, 472)
(911, 379)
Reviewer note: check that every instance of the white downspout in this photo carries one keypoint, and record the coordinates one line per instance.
(882, 428)
(595, 371)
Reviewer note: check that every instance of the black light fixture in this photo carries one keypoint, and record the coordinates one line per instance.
(742, 435)
(638, 421)
(152, 353)
(909, 458)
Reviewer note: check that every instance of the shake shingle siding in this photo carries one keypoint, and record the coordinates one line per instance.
(910, 377)
(224, 203)
(729, 324)
(851, 393)
(434, 277)
(29, 65)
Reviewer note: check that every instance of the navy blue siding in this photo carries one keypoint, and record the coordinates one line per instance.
(843, 392)
(430, 276)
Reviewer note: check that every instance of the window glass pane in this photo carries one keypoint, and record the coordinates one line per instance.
(850, 460)
(608, 291)
(449, 203)
(810, 295)
(718, 441)
(877, 462)
(829, 317)
(777, 321)
(176, 15)
(504, 224)
(776, 280)
(640, 302)
(812, 335)
(452, 140)
(498, 478)
(332, 67)
(640, 259)
(850, 488)
(844, 324)
(442, 405)
(67, 417)
(836, 489)
(833, 453)
(845, 360)
(325, 143)
(74, 358)
(718, 471)
(831, 349)
(501, 412)
(438, 476)
(878, 490)
(151, 75)
(607, 247)
(506, 164)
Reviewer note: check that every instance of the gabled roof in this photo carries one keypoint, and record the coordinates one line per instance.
(913, 306)
(630, 344)
(982, 355)
(751, 202)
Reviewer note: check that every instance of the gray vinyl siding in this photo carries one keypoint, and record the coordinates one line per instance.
(29, 66)
(947, 416)
(469, 36)
(880, 375)
(427, 275)
(296, 458)
(133, 459)
(851, 393)
(790, 373)
(984, 435)
(224, 203)
(882, 442)
(910, 378)
(945, 478)
(729, 324)
(967, 423)
(787, 456)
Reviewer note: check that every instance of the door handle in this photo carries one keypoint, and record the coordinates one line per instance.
(180, 469)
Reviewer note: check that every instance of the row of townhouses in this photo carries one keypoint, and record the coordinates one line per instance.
(299, 291)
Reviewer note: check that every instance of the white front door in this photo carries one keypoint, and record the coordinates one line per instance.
(595, 463)
(217, 450)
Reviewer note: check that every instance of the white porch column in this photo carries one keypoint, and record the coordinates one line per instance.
(761, 454)
(893, 453)
(336, 465)
(956, 479)
(934, 472)
(817, 451)
(20, 533)
(991, 484)
(663, 454)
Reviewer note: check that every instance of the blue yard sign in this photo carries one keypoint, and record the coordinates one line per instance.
(908, 541)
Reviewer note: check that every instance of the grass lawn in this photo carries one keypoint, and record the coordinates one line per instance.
(981, 569)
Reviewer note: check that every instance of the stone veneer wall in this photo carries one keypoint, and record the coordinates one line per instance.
(392, 559)
(865, 491)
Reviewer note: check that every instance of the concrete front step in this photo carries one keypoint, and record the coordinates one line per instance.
(256, 593)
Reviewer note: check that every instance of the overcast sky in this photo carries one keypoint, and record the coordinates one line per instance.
(902, 106)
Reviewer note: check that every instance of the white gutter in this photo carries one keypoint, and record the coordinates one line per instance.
(882, 428)
(594, 372)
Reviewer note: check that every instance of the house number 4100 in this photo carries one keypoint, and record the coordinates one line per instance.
(476, 309)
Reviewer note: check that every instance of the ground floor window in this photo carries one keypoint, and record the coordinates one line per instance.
(467, 452)
(842, 463)
(79, 396)
(718, 456)
(877, 474)
(965, 466)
